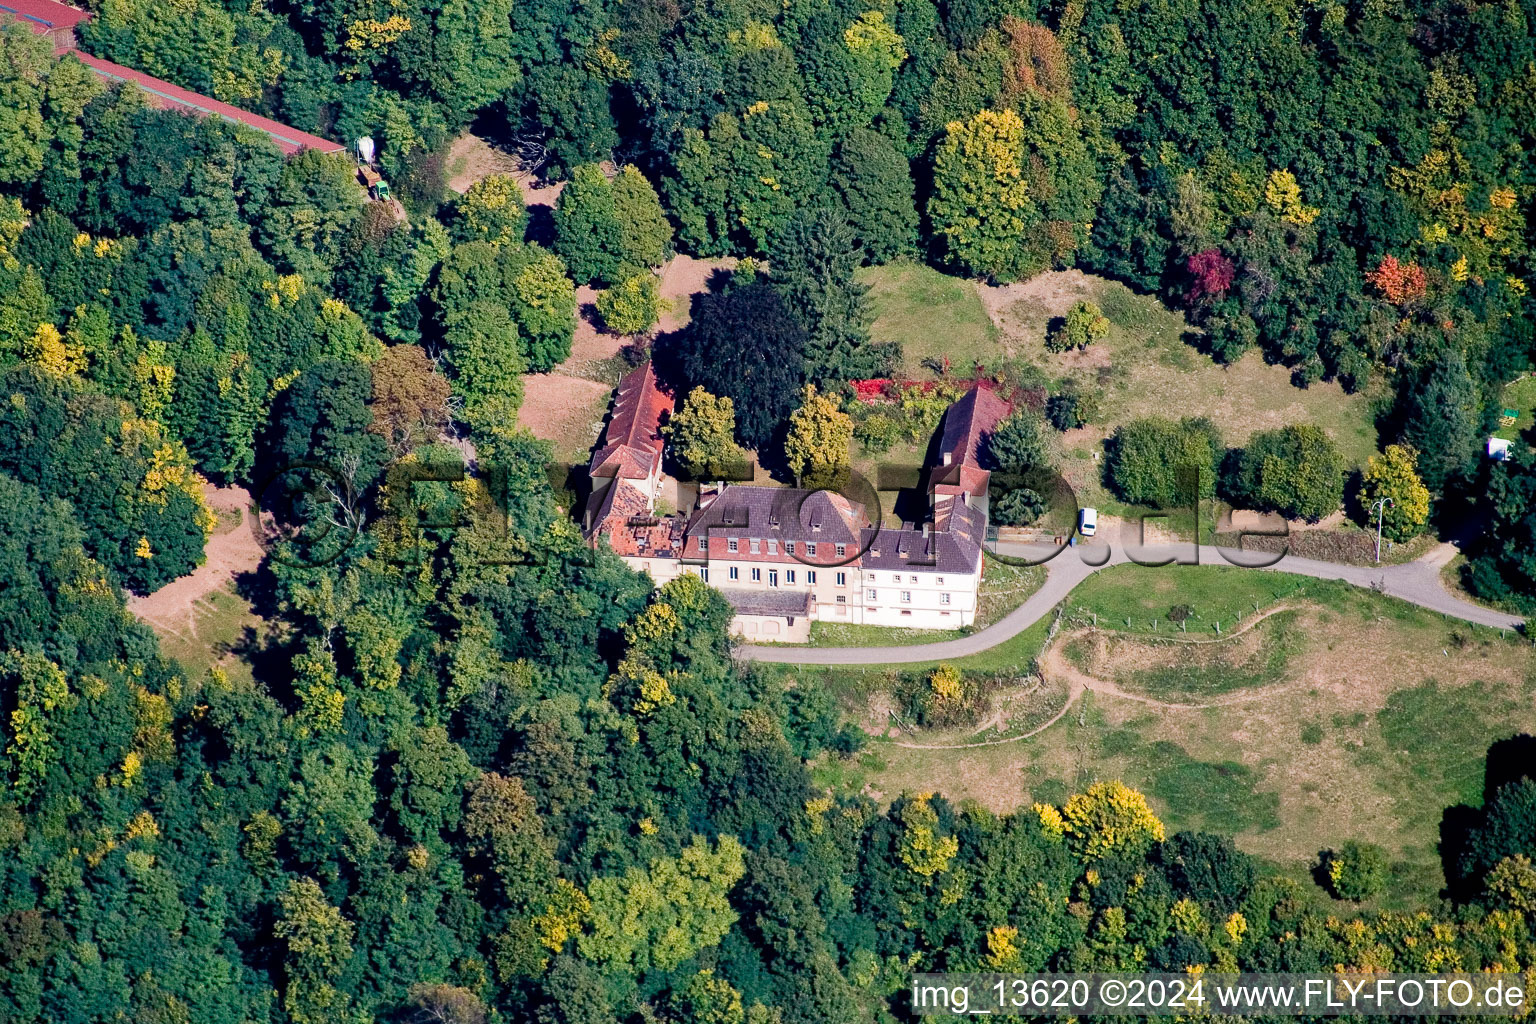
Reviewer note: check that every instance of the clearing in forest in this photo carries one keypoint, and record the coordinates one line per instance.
(1149, 365)
(1342, 715)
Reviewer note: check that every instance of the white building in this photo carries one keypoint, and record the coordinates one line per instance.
(785, 556)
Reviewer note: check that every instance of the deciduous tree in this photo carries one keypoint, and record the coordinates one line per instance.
(1393, 474)
(702, 436)
(817, 444)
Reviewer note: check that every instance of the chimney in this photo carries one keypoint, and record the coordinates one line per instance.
(947, 457)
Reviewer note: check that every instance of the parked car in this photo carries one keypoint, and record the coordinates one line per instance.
(1087, 521)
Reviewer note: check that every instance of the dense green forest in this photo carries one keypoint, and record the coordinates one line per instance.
(1344, 187)
(486, 773)
(479, 771)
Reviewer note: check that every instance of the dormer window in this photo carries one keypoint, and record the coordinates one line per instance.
(754, 544)
(732, 545)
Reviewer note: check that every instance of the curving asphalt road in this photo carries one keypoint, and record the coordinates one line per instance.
(1416, 582)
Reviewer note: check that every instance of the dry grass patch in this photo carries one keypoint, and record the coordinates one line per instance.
(1376, 722)
(566, 411)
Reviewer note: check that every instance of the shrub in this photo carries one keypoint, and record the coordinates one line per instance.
(1161, 463)
(632, 306)
(1084, 324)
(1355, 871)
(1072, 407)
(1019, 507)
(877, 432)
(1296, 471)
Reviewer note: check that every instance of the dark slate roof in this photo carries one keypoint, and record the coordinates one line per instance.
(769, 602)
(952, 543)
(907, 550)
(785, 513)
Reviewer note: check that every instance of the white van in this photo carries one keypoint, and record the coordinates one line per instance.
(1087, 521)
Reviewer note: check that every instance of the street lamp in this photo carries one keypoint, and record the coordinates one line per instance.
(1380, 506)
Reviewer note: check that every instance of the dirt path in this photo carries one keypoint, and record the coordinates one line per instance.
(229, 552)
(1054, 663)
(1073, 692)
(681, 279)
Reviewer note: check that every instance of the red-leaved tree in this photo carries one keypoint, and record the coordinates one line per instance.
(1211, 275)
(1399, 283)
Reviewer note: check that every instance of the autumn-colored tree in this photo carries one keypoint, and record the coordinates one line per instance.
(491, 210)
(819, 435)
(1109, 817)
(946, 684)
(1084, 324)
(1513, 883)
(657, 917)
(1401, 284)
(1211, 274)
(1394, 474)
(702, 436)
(1036, 62)
(410, 399)
(318, 941)
(981, 205)
(923, 848)
(708, 999)
(632, 306)
(1283, 194)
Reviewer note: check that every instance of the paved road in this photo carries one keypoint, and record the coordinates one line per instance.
(1417, 582)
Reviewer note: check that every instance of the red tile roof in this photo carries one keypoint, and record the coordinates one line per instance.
(59, 20)
(632, 444)
(44, 14)
(973, 416)
(174, 97)
(625, 518)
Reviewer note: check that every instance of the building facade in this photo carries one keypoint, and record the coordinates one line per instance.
(783, 556)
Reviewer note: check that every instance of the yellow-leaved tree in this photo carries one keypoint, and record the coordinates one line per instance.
(1110, 817)
(817, 444)
(1394, 475)
(981, 204)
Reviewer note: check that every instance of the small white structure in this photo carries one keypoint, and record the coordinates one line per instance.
(365, 149)
(1498, 449)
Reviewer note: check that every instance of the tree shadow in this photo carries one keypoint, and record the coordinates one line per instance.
(541, 225)
(1509, 761)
